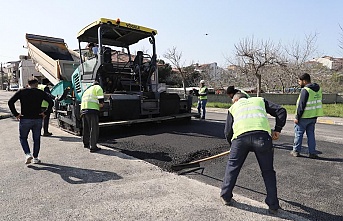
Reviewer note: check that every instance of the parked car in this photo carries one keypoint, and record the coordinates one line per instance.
(13, 87)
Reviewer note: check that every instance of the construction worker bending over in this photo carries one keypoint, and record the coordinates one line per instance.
(31, 116)
(231, 91)
(92, 100)
(202, 99)
(247, 129)
(44, 87)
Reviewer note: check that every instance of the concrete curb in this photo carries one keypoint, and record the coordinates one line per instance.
(4, 116)
(321, 120)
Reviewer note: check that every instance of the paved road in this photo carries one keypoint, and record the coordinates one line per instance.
(73, 184)
(309, 188)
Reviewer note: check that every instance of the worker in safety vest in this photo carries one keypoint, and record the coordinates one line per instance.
(309, 107)
(247, 130)
(44, 87)
(92, 101)
(231, 91)
(202, 99)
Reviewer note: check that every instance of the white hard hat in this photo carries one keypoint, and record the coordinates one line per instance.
(202, 82)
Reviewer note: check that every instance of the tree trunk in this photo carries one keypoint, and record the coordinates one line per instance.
(184, 88)
(259, 82)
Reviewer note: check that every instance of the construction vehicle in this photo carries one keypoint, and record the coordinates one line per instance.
(130, 82)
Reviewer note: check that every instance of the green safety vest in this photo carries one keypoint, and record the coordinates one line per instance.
(246, 94)
(314, 106)
(44, 104)
(90, 98)
(249, 115)
(203, 90)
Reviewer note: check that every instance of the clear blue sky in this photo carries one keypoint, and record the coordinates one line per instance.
(180, 23)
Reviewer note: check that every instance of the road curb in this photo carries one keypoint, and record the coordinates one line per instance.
(4, 116)
(321, 120)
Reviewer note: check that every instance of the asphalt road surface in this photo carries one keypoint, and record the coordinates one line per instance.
(306, 187)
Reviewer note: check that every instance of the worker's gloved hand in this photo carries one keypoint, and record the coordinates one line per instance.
(275, 135)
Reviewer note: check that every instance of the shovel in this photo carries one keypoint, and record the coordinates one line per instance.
(196, 163)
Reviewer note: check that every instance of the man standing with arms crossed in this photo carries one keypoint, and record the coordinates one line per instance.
(309, 107)
(92, 100)
(31, 116)
(247, 129)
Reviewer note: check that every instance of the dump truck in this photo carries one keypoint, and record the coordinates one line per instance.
(130, 81)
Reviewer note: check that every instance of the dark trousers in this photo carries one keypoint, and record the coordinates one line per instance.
(90, 135)
(261, 144)
(46, 121)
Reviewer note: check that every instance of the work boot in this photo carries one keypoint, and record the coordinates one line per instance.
(313, 156)
(295, 153)
(227, 202)
(94, 150)
(273, 211)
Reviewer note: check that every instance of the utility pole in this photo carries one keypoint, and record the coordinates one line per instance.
(2, 77)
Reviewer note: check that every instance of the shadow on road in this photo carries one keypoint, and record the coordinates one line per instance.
(308, 212)
(74, 175)
(67, 139)
(312, 213)
(304, 152)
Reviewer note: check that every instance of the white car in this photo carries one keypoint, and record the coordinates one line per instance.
(13, 87)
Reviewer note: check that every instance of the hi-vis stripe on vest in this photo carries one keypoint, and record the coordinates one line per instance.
(314, 106)
(90, 98)
(249, 115)
(44, 104)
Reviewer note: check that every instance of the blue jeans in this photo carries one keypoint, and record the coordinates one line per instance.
(202, 105)
(308, 125)
(25, 125)
(261, 144)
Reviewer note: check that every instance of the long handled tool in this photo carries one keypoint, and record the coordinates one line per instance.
(196, 163)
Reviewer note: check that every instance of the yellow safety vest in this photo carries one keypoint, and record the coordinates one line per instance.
(203, 90)
(249, 115)
(44, 104)
(243, 92)
(314, 106)
(90, 98)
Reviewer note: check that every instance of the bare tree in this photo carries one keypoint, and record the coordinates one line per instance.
(341, 39)
(297, 55)
(254, 56)
(175, 58)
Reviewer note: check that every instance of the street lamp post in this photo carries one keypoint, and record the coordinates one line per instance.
(2, 77)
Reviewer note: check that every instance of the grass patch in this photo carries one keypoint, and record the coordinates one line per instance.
(215, 104)
(330, 110)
